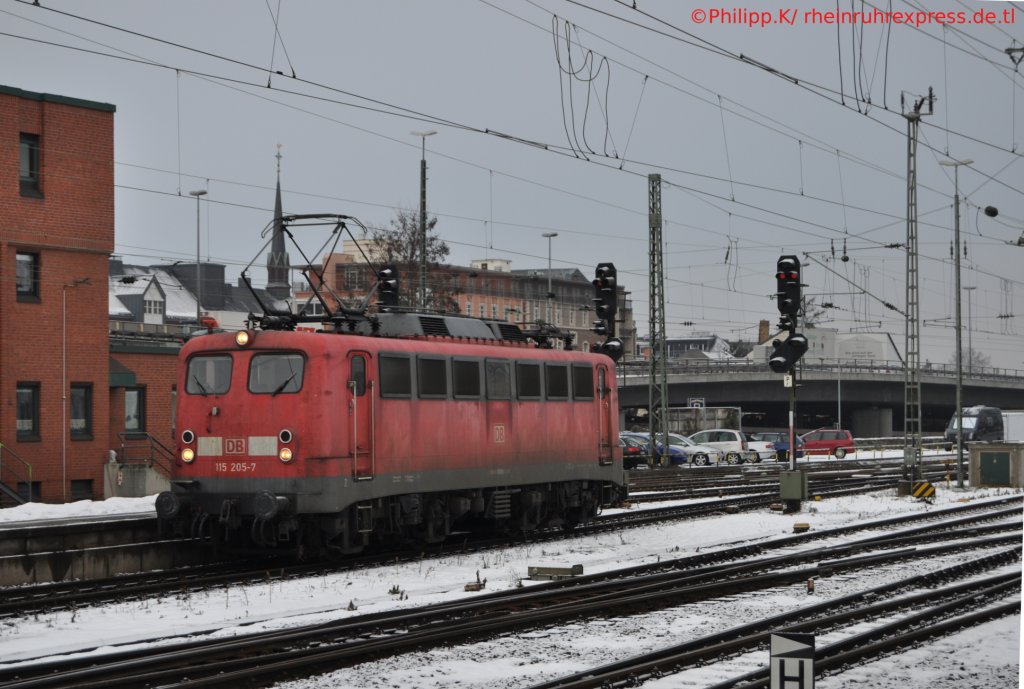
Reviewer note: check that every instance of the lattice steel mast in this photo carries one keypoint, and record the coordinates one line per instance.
(912, 340)
(658, 389)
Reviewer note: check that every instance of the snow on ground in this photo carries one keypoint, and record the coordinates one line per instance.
(988, 656)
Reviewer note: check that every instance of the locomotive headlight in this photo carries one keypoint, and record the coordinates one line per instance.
(242, 338)
(187, 455)
(285, 454)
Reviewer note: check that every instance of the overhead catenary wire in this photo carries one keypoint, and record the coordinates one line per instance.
(731, 180)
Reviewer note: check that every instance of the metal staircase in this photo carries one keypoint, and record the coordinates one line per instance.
(15, 472)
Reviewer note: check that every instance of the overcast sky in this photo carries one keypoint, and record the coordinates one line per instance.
(786, 138)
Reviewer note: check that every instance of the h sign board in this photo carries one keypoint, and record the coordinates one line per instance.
(792, 661)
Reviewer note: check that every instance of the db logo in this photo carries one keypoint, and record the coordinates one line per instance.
(499, 433)
(234, 446)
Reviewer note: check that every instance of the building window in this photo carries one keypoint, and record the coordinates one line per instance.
(30, 492)
(153, 307)
(81, 411)
(469, 307)
(28, 167)
(81, 489)
(355, 278)
(135, 410)
(27, 276)
(494, 311)
(28, 411)
(313, 308)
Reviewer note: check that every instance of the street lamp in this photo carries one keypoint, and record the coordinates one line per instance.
(422, 299)
(955, 164)
(550, 236)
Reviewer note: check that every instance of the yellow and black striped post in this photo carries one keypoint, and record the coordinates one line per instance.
(923, 490)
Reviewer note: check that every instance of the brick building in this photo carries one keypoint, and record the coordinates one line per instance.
(56, 233)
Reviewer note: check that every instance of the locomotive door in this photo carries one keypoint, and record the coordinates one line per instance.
(604, 416)
(360, 389)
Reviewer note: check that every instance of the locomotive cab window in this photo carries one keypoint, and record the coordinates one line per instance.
(208, 375)
(556, 379)
(276, 373)
(432, 377)
(466, 378)
(395, 376)
(528, 380)
(582, 382)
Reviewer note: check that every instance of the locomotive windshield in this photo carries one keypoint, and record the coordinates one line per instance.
(276, 373)
(208, 375)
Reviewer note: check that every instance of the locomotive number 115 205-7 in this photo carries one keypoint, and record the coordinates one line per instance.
(234, 467)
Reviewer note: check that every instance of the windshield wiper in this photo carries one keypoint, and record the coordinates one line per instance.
(283, 385)
(202, 388)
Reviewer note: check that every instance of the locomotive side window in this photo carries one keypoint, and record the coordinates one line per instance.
(395, 376)
(556, 378)
(528, 380)
(582, 382)
(276, 373)
(466, 378)
(359, 375)
(499, 380)
(432, 377)
(208, 375)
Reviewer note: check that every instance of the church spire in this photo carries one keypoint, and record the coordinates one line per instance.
(277, 259)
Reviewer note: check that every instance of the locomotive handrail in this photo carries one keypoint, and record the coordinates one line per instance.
(157, 456)
(26, 476)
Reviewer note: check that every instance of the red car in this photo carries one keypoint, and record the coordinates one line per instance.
(829, 441)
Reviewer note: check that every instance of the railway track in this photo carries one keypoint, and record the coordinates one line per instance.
(256, 659)
(22, 600)
(936, 612)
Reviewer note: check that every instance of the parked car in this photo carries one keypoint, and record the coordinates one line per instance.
(764, 448)
(681, 450)
(634, 452)
(732, 443)
(701, 455)
(829, 441)
(780, 439)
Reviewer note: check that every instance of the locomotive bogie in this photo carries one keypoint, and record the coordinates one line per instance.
(332, 441)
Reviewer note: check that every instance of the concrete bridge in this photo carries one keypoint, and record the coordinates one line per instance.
(864, 396)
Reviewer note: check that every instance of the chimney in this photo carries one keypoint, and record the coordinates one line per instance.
(762, 332)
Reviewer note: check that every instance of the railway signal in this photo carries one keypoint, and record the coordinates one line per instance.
(605, 297)
(387, 281)
(787, 292)
(785, 353)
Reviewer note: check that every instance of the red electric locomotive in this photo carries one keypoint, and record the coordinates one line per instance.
(397, 426)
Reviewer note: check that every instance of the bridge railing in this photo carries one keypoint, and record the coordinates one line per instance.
(631, 370)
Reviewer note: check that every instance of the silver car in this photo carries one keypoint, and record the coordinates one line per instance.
(701, 455)
(731, 442)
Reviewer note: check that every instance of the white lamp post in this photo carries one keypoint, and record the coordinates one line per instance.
(199, 277)
(550, 315)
